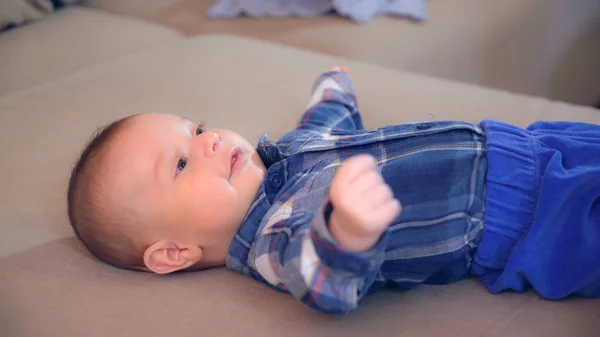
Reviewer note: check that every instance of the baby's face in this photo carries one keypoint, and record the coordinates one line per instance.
(185, 183)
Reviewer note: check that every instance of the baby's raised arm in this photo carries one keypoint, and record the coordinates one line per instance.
(332, 104)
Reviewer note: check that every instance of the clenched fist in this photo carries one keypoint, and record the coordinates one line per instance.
(363, 204)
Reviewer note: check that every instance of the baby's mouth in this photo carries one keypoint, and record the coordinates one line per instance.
(237, 161)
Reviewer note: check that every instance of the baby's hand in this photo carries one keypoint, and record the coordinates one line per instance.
(340, 69)
(363, 204)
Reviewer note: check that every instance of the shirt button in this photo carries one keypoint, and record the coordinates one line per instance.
(423, 126)
(276, 181)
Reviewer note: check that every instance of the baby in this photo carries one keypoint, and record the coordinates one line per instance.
(317, 214)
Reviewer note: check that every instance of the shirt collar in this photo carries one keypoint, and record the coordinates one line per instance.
(268, 151)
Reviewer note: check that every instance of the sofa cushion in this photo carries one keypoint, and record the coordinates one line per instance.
(69, 40)
(535, 47)
(50, 286)
(17, 12)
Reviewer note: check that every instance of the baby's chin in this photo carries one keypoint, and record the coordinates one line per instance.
(258, 164)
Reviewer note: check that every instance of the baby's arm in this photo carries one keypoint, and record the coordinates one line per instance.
(329, 259)
(332, 105)
(300, 256)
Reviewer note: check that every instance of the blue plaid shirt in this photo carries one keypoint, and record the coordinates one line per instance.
(436, 169)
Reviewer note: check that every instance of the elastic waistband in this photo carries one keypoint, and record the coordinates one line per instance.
(512, 188)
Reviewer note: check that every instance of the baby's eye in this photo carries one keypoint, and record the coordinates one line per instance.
(181, 165)
(200, 129)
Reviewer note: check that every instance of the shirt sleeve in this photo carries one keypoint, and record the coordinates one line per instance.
(332, 105)
(299, 255)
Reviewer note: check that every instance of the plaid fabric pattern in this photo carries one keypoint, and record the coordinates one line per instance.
(436, 169)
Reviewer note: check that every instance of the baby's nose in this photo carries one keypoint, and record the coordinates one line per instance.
(214, 143)
(218, 137)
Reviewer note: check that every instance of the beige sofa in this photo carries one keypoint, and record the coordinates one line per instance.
(547, 48)
(51, 102)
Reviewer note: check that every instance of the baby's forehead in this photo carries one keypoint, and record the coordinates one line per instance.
(132, 141)
(143, 139)
(124, 169)
(156, 123)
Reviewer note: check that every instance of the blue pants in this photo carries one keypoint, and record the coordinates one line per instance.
(542, 220)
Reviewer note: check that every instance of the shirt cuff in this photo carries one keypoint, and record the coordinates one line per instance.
(333, 86)
(336, 257)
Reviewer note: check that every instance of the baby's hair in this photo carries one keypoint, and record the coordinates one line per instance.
(88, 215)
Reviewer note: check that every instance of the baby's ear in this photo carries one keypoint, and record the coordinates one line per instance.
(164, 256)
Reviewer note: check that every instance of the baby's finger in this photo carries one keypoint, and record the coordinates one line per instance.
(353, 167)
(366, 181)
(377, 195)
(386, 213)
(340, 69)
